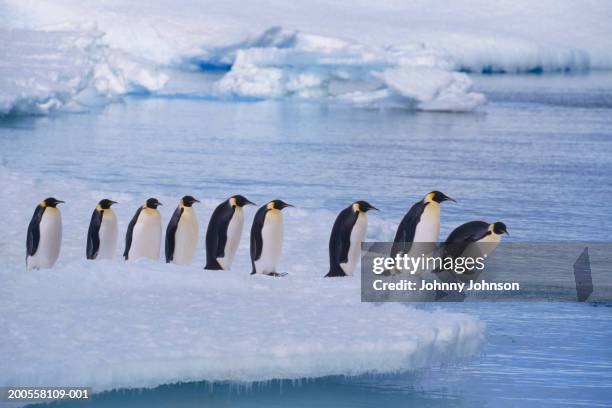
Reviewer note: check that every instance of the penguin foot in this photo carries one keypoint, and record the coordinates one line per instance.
(277, 275)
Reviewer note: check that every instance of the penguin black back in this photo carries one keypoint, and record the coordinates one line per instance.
(216, 234)
(465, 234)
(340, 240)
(130, 232)
(93, 237)
(407, 227)
(33, 238)
(170, 233)
(256, 237)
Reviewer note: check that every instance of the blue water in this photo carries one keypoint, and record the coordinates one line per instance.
(538, 157)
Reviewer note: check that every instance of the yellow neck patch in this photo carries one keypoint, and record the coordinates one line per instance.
(270, 205)
(232, 202)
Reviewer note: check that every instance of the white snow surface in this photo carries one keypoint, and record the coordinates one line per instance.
(111, 324)
(365, 53)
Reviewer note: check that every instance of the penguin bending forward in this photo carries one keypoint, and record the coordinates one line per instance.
(421, 224)
(348, 232)
(267, 238)
(143, 236)
(102, 233)
(223, 233)
(44, 235)
(488, 235)
(182, 233)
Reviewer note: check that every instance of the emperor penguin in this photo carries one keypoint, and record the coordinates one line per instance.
(421, 225)
(267, 238)
(44, 235)
(102, 233)
(224, 231)
(347, 234)
(143, 237)
(461, 239)
(182, 233)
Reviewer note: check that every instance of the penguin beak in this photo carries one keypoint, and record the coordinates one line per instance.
(288, 205)
(113, 202)
(196, 200)
(373, 208)
(447, 198)
(59, 201)
(158, 203)
(250, 202)
(506, 232)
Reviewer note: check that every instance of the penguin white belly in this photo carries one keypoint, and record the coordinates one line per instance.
(428, 228)
(146, 237)
(108, 235)
(427, 232)
(186, 237)
(272, 237)
(491, 242)
(50, 240)
(358, 234)
(234, 231)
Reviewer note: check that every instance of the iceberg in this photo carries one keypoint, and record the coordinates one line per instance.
(66, 70)
(279, 64)
(111, 324)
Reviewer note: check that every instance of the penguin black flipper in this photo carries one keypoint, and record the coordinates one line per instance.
(171, 232)
(216, 234)
(340, 241)
(33, 238)
(129, 233)
(93, 234)
(463, 235)
(256, 238)
(407, 227)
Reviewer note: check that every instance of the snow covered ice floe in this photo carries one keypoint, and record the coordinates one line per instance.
(110, 324)
(68, 69)
(279, 63)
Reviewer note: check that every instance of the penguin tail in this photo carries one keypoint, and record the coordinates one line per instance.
(213, 265)
(335, 273)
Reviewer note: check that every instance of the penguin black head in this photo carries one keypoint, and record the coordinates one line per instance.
(363, 206)
(240, 201)
(188, 201)
(105, 203)
(500, 228)
(152, 203)
(50, 202)
(438, 197)
(277, 205)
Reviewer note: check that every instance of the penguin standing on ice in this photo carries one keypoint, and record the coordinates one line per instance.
(486, 237)
(143, 237)
(223, 233)
(44, 235)
(347, 234)
(267, 238)
(182, 233)
(421, 224)
(102, 233)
